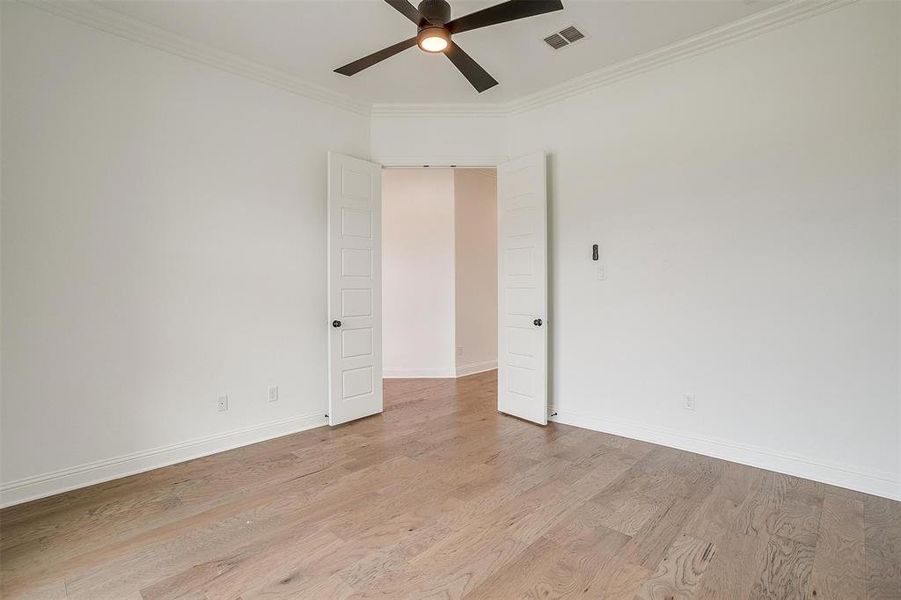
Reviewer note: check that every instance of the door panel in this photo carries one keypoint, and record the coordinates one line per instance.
(522, 288)
(354, 288)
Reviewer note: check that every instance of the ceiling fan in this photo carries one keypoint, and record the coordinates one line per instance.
(432, 17)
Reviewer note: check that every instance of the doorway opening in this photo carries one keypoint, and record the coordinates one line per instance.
(355, 286)
(439, 272)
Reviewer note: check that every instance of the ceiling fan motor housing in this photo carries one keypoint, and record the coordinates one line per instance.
(436, 12)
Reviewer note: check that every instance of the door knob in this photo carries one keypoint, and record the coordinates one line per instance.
(336, 323)
(537, 322)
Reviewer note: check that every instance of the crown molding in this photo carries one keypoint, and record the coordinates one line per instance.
(787, 13)
(779, 16)
(110, 21)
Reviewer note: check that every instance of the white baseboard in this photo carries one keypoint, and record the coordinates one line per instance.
(430, 373)
(39, 486)
(476, 367)
(64, 480)
(887, 485)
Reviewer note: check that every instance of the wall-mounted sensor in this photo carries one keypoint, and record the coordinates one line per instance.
(594, 252)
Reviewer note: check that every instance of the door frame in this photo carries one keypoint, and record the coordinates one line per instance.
(485, 162)
(441, 162)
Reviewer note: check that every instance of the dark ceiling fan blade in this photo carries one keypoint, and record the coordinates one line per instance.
(407, 10)
(503, 12)
(376, 57)
(477, 76)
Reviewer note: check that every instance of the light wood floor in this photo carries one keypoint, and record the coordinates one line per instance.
(442, 497)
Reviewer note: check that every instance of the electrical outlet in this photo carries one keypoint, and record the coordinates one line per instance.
(602, 272)
(459, 351)
(273, 393)
(223, 403)
(688, 401)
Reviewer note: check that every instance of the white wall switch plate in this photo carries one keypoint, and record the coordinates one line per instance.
(602, 272)
(223, 403)
(273, 393)
(688, 401)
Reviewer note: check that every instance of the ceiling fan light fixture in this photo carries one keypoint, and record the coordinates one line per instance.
(433, 39)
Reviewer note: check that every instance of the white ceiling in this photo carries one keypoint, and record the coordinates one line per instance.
(310, 38)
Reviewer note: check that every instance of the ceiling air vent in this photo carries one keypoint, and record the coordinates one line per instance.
(572, 34)
(564, 38)
(556, 41)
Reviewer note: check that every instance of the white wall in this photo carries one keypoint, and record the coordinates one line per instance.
(437, 139)
(418, 272)
(163, 241)
(746, 203)
(475, 200)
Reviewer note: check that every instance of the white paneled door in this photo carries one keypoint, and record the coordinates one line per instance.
(522, 288)
(354, 288)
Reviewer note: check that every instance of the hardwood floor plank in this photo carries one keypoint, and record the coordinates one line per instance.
(649, 544)
(627, 514)
(721, 511)
(839, 566)
(882, 522)
(785, 569)
(734, 568)
(679, 573)
(291, 588)
(556, 566)
(798, 518)
(616, 580)
(49, 591)
(783, 505)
